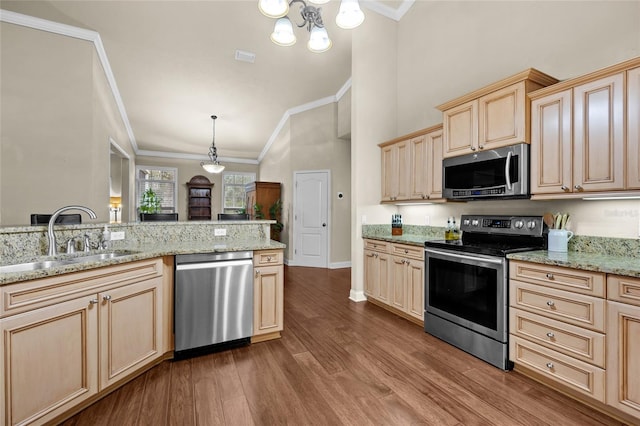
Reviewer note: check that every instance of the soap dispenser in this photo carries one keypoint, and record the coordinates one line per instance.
(106, 237)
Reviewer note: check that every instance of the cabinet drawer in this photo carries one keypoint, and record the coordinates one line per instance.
(413, 252)
(28, 295)
(577, 309)
(585, 345)
(623, 289)
(575, 280)
(376, 245)
(267, 257)
(577, 375)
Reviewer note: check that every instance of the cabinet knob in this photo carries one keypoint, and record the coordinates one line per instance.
(578, 187)
(93, 301)
(549, 365)
(473, 148)
(376, 255)
(550, 303)
(268, 258)
(106, 297)
(481, 146)
(550, 276)
(257, 272)
(564, 188)
(406, 251)
(550, 335)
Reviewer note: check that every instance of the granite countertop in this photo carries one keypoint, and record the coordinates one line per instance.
(139, 252)
(619, 265)
(412, 240)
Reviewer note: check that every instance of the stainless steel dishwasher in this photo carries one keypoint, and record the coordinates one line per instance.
(213, 301)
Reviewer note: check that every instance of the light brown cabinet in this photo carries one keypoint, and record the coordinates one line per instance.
(394, 277)
(578, 139)
(623, 356)
(268, 295)
(412, 167)
(67, 338)
(492, 117)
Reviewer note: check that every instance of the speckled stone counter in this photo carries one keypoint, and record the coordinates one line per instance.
(411, 234)
(619, 265)
(142, 240)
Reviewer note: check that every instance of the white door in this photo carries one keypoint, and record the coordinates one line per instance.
(311, 213)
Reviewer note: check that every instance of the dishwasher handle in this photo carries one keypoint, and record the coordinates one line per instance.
(213, 265)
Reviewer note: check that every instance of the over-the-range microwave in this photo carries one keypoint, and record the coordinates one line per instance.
(495, 173)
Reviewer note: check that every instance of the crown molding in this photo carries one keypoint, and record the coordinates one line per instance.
(389, 12)
(81, 34)
(185, 156)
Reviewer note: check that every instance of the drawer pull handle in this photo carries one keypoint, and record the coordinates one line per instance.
(550, 335)
(257, 272)
(93, 301)
(550, 276)
(549, 365)
(406, 251)
(550, 303)
(268, 258)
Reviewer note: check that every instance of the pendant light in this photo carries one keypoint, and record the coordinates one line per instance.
(213, 165)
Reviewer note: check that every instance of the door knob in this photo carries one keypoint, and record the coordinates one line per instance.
(324, 225)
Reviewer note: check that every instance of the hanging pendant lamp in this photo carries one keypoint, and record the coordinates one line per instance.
(213, 165)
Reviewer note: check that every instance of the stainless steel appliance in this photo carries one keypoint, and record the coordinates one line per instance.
(495, 173)
(213, 300)
(466, 283)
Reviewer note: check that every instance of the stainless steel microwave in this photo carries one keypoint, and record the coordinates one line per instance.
(496, 173)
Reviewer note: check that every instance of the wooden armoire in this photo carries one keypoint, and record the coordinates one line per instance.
(260, 197)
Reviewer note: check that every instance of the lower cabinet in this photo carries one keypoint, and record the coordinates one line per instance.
(67, 338)
(268, 295)
(579, 330)
(394, 277)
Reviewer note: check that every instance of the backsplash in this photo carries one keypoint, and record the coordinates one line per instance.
(626, 247)
(31, 241)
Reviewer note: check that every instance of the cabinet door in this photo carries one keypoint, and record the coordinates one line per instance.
(420, 168)
(130, 329)
(623, 357)
(415, 288)
(371, 277)
(633, 129)
(251, 202)
(501, 119)
(389, 173)
(49, 361)
(268, 299)
(551, 150)
(434, 147)
(461, 129)
(398, 282)
(384, 288)
(598, 124)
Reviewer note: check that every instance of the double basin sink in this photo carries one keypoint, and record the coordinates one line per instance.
(46, 264)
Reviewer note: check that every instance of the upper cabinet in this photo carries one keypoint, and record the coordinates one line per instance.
(494, 116)
(578, 139)
(412, 167)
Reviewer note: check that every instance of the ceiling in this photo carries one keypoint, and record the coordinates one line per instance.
(174, 66)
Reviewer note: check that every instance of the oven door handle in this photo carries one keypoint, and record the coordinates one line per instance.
(507, 170)
(465, 257)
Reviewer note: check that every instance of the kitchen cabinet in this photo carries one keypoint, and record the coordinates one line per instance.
(578, 141)
(557, 325)
(199, 203)
(268, 295)
(623, 332)
(394, 278)
(491, 117)
(412, 167)
(68, 338)
(376, 270)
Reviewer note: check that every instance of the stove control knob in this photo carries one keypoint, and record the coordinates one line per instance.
(466, 222)
(531, 224)
(475, 222)
(518, 224)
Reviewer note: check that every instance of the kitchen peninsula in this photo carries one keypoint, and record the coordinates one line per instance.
(75, 332)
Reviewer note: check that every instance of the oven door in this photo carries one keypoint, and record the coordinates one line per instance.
(468, 290)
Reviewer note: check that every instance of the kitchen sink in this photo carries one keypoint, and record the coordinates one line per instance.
(46, 264)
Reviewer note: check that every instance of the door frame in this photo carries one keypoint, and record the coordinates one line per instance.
(294, 235)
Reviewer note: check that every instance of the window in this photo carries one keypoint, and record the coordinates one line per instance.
(233, 195)
(163, 180)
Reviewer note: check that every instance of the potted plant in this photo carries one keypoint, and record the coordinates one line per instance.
(150, 208)
(275, 213)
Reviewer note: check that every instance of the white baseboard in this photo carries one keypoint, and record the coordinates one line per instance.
(339, 265)
(357, 296)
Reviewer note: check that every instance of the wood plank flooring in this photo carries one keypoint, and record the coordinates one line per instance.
(338, 363)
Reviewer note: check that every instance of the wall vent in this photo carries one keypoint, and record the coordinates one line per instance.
(243, 56)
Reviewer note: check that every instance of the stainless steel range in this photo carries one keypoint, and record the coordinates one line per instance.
(466, 283)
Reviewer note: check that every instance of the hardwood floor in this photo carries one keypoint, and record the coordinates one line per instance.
(338, 362)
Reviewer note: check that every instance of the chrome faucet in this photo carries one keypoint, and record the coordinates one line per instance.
(50, 234)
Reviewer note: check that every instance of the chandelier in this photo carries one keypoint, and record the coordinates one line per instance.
(349, 17)
(213, 165)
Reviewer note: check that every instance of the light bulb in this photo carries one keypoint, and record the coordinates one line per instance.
(319, 40)
(283, 33)
(273, 8)
(349, 16)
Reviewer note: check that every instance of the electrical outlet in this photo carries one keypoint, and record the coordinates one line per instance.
(364, 219)
(117, 235)
(427, 220)
(219, 232)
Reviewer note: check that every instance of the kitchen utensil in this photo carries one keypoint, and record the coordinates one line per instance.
(548, 220)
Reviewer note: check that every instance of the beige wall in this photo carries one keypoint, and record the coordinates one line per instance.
(309, 141)
(190, 168)
(446, 49)
(55, 121)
